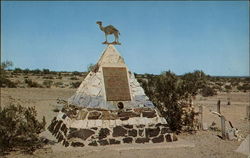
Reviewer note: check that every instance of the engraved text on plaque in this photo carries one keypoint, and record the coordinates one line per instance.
(116, 84)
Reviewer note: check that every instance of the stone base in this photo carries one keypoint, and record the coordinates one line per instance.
(143, 128)
(98, 136)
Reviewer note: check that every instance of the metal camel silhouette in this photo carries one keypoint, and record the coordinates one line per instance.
(109, 30)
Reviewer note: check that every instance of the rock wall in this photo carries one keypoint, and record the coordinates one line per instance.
(98, 127)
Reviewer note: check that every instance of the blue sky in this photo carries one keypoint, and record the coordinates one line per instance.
(156, 36)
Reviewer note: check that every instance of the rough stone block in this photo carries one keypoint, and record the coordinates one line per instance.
(103, 133)
(113, 141)
(140, 126)
(103, 142)
(127, 140)
(112, 123)
(82, 115)
(168, 138)
(152, 132)
(60, 137)
(58, 125)
(142, 140)
(128, 114)
(165, 130)
(94, 128)
(91, 123)
(141, 132)
(82, 133)
(77, 144)
(105, 123)
(128, 126)
(149, 114)
(65, 143)
(124, 118)
(94, 143)
(132, 132)
(52, 125)
(119, 131)
(64, 129)
(174, 137)
(94, 115)
(118, 122)
(158, 139)
(98, 123)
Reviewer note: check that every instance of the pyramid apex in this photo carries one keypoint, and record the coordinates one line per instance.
(111, 57)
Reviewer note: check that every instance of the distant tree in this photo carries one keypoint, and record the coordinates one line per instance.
(17, 70)
(46, 71)
(193, 82)
(4, 81)
(90, 67)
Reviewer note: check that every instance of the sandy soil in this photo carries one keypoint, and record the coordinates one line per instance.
(207, 143)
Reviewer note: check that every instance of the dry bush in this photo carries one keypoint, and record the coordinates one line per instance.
(32, 83)
(19, 128)
(47, 83)
(75, 84)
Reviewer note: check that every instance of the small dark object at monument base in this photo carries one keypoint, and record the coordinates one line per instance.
(120, 105)
(109, 30)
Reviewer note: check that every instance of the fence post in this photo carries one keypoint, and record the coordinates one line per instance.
(248, 112)
(223, 127)
(201, 118)
(218, 106)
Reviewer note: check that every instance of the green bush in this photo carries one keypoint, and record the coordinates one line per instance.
(19, 128)
(171, 93)
(208, 91)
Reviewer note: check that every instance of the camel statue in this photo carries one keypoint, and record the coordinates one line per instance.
(109, 30)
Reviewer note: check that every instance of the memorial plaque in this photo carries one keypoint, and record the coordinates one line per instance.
(116, 84)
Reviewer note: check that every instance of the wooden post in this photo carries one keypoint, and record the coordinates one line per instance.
(248, 112)
(218, 106)
(223, 127)
(201, 116)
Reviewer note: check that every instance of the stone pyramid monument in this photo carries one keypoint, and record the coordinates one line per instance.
(110, 107)
(109, 84)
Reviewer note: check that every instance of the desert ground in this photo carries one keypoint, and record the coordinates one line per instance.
(205, 143)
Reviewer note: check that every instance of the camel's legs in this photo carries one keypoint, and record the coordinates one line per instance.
(106, 38)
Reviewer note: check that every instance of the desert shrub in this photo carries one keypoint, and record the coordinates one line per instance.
(170, 93)
(19, 128)
(17, 70)
(4, 81)
(36, 71)
(32, 83)
(75, 84)
(228, 87)
(73, 78)
(46, 71)
(76, 73)
(208, 91)
(48, 77)
(245, 87)
(58, 84)
(47, 83)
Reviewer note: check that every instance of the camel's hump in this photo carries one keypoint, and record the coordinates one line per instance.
(111, 27)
